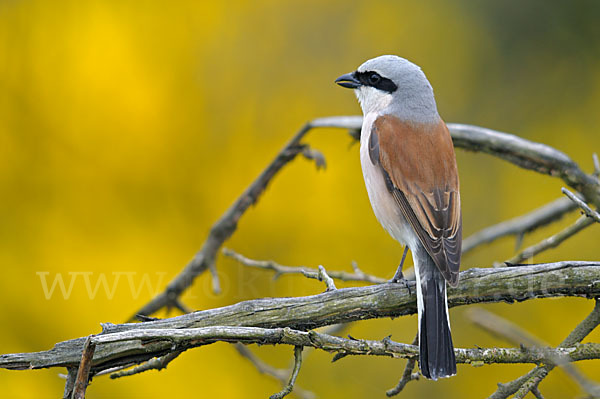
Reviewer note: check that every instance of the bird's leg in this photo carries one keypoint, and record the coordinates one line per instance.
(398, 276)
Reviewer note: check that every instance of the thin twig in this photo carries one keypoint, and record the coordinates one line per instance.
(214, 275)
(539, 373)
(407, 375)
(586, 209)
(510, 388)
(323, 276)
(520, 225)
(357, 275)
(290, 385)
(522, 385)
(550, 242)
(280, 375)
(83, 373)
(157, 363)
(316, 156)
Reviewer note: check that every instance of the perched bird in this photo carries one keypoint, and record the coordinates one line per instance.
(409, 167)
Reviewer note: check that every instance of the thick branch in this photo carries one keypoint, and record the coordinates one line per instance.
(385, 347)
(332, 307)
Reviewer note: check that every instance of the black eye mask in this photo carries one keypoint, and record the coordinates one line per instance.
(373, 79)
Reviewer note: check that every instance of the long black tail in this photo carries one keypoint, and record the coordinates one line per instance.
(436, 352)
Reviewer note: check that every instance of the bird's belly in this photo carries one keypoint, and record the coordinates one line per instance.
(384, 206)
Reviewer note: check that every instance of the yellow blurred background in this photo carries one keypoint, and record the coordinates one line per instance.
(128, 127)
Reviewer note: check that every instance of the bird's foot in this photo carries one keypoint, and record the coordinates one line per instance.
(399, 279)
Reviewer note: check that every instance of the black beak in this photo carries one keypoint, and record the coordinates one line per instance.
(348, 81)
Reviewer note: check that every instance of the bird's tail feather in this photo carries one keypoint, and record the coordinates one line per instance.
(436, 351)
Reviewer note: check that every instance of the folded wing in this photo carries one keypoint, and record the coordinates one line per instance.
(419, 166)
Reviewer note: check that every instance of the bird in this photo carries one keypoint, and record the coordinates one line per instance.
(410, 172)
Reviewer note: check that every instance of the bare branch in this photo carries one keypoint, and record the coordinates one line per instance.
(70, 382)
(551, 242)
(510, 388)
(83, 373)
(521, 152)
(407, 375)
(499, 326)
(227, 224)
(290, 385)
(191, 337)
(539, 373)
(325, 278)
(520, 225)
(157, 363)
(316, 156)
(279, 270)
(528, 155)
(214, 275)
(285, 320)
(280, 375)
(342, 305)
(522, 385)
(536, 392)
(586, 209)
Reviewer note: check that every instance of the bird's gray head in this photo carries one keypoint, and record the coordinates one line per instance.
(392, 85)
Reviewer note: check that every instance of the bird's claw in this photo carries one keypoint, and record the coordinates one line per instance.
(399, 279)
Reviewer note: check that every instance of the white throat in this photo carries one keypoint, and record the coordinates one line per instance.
(372, 100)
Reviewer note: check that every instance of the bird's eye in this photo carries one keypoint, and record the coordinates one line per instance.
(374, 78)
